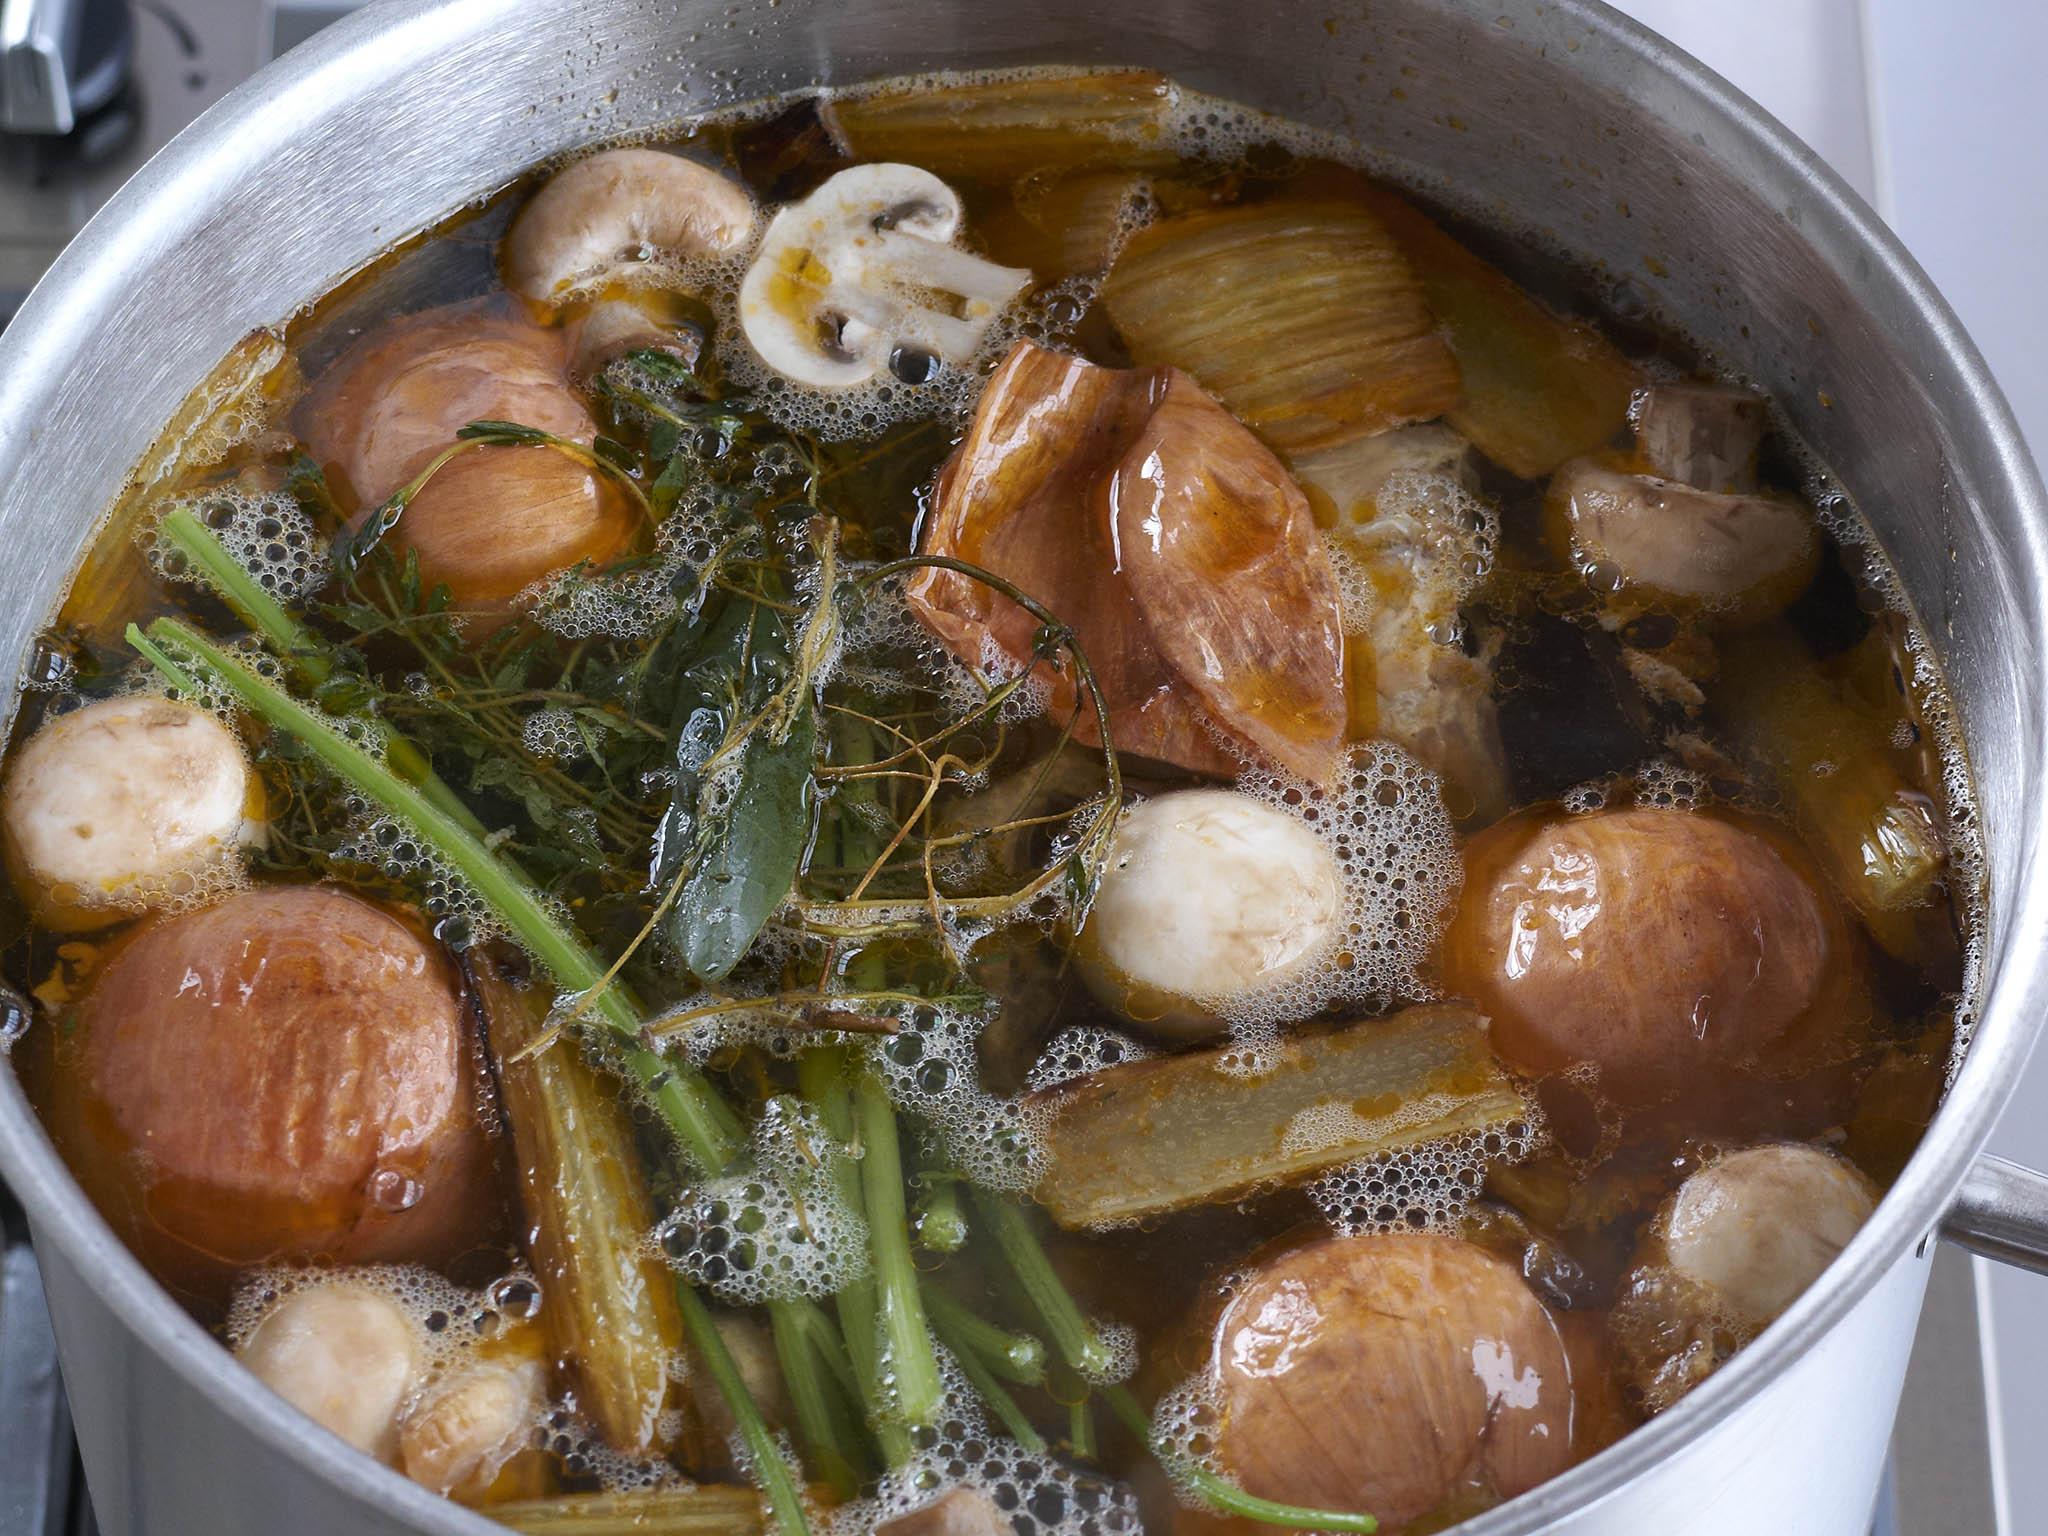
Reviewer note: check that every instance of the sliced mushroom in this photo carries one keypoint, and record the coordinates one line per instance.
(125, 802)
(604, 217)
(1702, 435)
(1388, 1374)
(864, 265)
(1209, 897)
(1728, 1253)
(285, 1076)
(959, 1511)
(1654, 944)
(1414, 541)
(1168, 538)
(1665, 542)
(493, 520)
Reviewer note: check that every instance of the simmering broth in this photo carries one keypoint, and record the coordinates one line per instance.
(999, 801)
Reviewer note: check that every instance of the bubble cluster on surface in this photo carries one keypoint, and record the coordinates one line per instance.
(1422, 1188)
(1186, 1423)
(777, 1230)
(448, 1321)
(1032, 1493)
(932, 1069)
(631, 603)
(1080, 1050)
(1668, 786)
(581, 1451)
(266, 533)
(553, 733)
(386, 844)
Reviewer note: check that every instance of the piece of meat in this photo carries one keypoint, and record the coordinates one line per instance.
(1172, 543)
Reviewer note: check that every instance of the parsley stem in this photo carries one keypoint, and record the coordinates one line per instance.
(906, 1338)
(771, 1472)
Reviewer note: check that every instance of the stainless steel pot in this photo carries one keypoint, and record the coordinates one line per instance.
(1559, 118)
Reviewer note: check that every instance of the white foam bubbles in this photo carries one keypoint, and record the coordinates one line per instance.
(1422, 1188)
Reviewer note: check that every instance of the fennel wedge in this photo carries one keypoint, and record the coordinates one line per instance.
(1304, 316)
(1164, 1134)
(610, 1317)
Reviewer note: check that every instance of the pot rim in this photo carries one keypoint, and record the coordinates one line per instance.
(303, 87)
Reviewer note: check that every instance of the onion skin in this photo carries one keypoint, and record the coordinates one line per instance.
(492, 521)
(1387, 1374)
(1652, 943)
(284, 1077)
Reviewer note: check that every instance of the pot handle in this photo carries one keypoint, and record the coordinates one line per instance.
(2001, 1211)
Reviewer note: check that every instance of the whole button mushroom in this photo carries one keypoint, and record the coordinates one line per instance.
(1385, 1374)
(122, 803)
(1209, 897)
(285, 1076)
(492, 520)
(606, 217)
(345, 1355)
(1649, 942)
(1726, 1255)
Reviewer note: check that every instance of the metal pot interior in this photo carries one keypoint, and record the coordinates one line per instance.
(1562, 122)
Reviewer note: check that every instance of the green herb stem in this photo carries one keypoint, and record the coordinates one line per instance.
(941, 1225)
(703, 1122)
(993, 1393)
(1081, 1429)
(827, 1445)
(906, 1340)
(770, 1470)
(822, 1075)
(1072, 1336)
(1017, 1357)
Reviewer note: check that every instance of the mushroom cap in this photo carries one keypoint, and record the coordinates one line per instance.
(285, 1076)
(492, 521)
(1209, 896)
(1757, 1227)
(605, 215)
(124, 799)
(1747, 554)
(345, 1355)
(1384, 1373)
(1650, 942)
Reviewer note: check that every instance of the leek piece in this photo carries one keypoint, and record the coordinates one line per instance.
(610, 1317)
(1304, 317)
(1149, 1137)
(1538, 390)
(997, 130)
(711, 1509)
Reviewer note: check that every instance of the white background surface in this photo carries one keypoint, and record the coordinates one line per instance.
(1937, 110)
